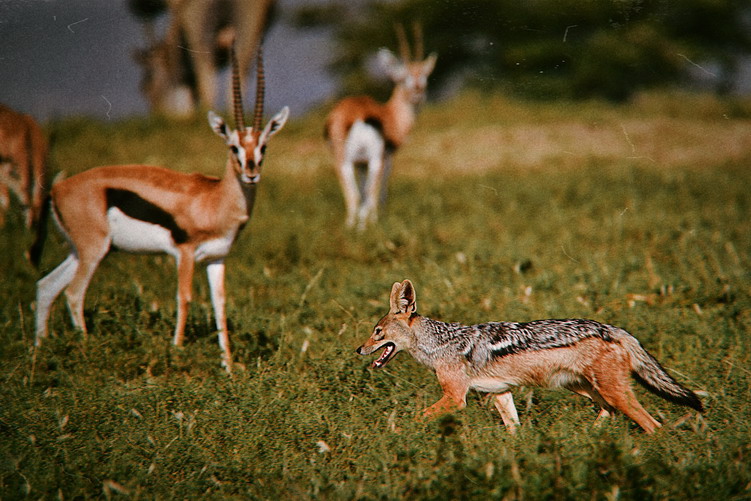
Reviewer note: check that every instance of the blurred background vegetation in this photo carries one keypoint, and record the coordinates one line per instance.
(548, 48)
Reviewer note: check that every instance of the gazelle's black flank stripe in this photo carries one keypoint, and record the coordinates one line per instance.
(132, 205)
(377, 124)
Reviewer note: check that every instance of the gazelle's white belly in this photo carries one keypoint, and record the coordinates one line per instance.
(133, 235)
(216, 248)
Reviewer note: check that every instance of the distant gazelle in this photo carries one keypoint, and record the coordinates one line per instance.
(23, 164)
(364, 134)
(146, 209)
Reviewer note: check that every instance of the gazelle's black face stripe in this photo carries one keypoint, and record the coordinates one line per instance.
(249, 160)
(132, 205)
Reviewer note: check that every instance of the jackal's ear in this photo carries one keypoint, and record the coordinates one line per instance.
(403, 298)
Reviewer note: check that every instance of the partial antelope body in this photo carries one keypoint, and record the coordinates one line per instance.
(23, 164)
(146, 209)
(364, 134)
(589, 358)
(180, 70)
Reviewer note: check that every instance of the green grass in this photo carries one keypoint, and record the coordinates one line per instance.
(635, 215)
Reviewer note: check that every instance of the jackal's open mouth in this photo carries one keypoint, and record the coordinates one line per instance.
(389, 349)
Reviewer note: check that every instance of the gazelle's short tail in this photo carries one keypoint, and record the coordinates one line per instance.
(653, 376)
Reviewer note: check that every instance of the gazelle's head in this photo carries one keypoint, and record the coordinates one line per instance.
(247, 146)
(408, 72)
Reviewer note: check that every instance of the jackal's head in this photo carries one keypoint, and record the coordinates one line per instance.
(393, 333)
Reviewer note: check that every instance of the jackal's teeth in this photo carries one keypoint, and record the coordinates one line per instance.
(388, 350)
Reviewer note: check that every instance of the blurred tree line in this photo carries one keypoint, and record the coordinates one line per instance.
(547, 48)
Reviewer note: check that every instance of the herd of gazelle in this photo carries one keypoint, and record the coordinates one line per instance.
(196, 218)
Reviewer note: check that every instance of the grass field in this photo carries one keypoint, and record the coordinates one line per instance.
(636, 215)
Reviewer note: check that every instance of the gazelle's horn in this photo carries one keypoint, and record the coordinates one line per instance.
(237, 95)
(419, 50)
(260, 90)
(403, 43)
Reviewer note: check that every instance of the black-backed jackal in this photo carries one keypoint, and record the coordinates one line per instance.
(589, 358)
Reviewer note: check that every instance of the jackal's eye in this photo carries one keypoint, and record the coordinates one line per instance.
(378, 333)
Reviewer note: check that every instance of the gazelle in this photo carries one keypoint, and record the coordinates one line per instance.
(181, 67)
(364, 134)
(146, 209)
(23, 164)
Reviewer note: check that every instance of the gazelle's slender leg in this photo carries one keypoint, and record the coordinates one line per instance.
(25, 181)
(89, 258)
(351, 192)
(369, 209)
(48, 288)
(385, 178)
(185, 268)
(215, 272)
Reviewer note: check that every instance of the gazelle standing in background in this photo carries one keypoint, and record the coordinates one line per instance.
(364, 134)
(146, 209)
(23, 164)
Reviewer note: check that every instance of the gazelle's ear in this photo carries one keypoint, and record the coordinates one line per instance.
(274, 125)
(218, 125)
(402, 298)
(429, 64)
(393, 67)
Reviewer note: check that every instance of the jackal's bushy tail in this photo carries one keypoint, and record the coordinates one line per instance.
(653, 376)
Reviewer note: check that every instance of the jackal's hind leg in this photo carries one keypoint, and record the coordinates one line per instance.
(584, 388)
(612, 380)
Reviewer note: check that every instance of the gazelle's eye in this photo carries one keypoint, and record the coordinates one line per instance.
(234, 149)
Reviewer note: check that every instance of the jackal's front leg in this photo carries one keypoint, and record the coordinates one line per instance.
(455, 386)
